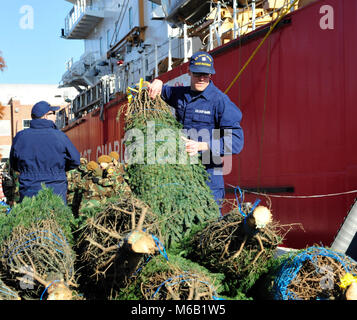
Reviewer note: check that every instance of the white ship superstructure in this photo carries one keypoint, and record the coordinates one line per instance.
(126, 40)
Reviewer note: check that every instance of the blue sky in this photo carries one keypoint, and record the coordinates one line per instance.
(34, 52)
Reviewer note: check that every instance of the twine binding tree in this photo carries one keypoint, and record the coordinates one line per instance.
(315, 273)
(37, 253)
(6, 293)
(115, 240)
(172, 277)
(241, 244)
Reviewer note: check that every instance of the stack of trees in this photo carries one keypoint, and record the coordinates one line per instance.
(159, 237)
(37, 248)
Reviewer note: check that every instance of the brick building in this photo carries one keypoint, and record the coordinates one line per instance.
(18, 100)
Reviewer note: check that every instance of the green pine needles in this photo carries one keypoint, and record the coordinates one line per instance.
(172, 277)
(45, 205)
(221, 246)
(160, 171)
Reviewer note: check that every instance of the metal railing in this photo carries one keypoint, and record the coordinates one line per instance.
(76, 13)
(245, 20)
(147, 65)
(241, 26)
(87, 100)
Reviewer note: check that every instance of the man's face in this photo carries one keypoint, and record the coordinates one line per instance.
(199, 81)
(51, 115)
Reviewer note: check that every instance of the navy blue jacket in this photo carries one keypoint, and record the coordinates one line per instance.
(208, 116)
(43, 154)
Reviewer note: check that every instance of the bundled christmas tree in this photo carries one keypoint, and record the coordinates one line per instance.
(241, 245)
(36, 244)
(171, 277)
(315, 273)
(115, 239)
(160, 171)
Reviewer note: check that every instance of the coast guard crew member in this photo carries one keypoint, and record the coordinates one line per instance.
(43, 154)
(202, 107)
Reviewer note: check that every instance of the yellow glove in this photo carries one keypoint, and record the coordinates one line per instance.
(347, 280)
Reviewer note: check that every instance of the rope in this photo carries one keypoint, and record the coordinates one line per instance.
(4, 204)
(297, 196)
(47, 288)
(162, 252)
(240, 203)
(260, 44)
(23, 246)
(214, 295)
(37, 231)
(291, 268)
(305, 197)
(7, 292)
(158, 244)
(139, 269)
(30, 245)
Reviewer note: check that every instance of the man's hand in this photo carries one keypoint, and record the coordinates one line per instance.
(193, 147)
(154, 88)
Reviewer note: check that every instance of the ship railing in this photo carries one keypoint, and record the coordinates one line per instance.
(89, 100)
(62, 118)
(78, 10)
(69, 64)
(161, 57)
(108, 87)
(154, 60)
(245, 20)
(157, 58)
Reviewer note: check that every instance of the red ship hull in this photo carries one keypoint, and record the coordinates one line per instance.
(298, 99)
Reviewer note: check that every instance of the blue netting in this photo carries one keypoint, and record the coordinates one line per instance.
(45, 237)
(14, 248)
(7, 292)
(240, 202)
(186, 277)
(161, 247)
(162, 251)
(4, 204)
(44, 291)
(294, 262)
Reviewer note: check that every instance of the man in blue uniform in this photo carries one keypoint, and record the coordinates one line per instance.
(211, 119)
(43, 154)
